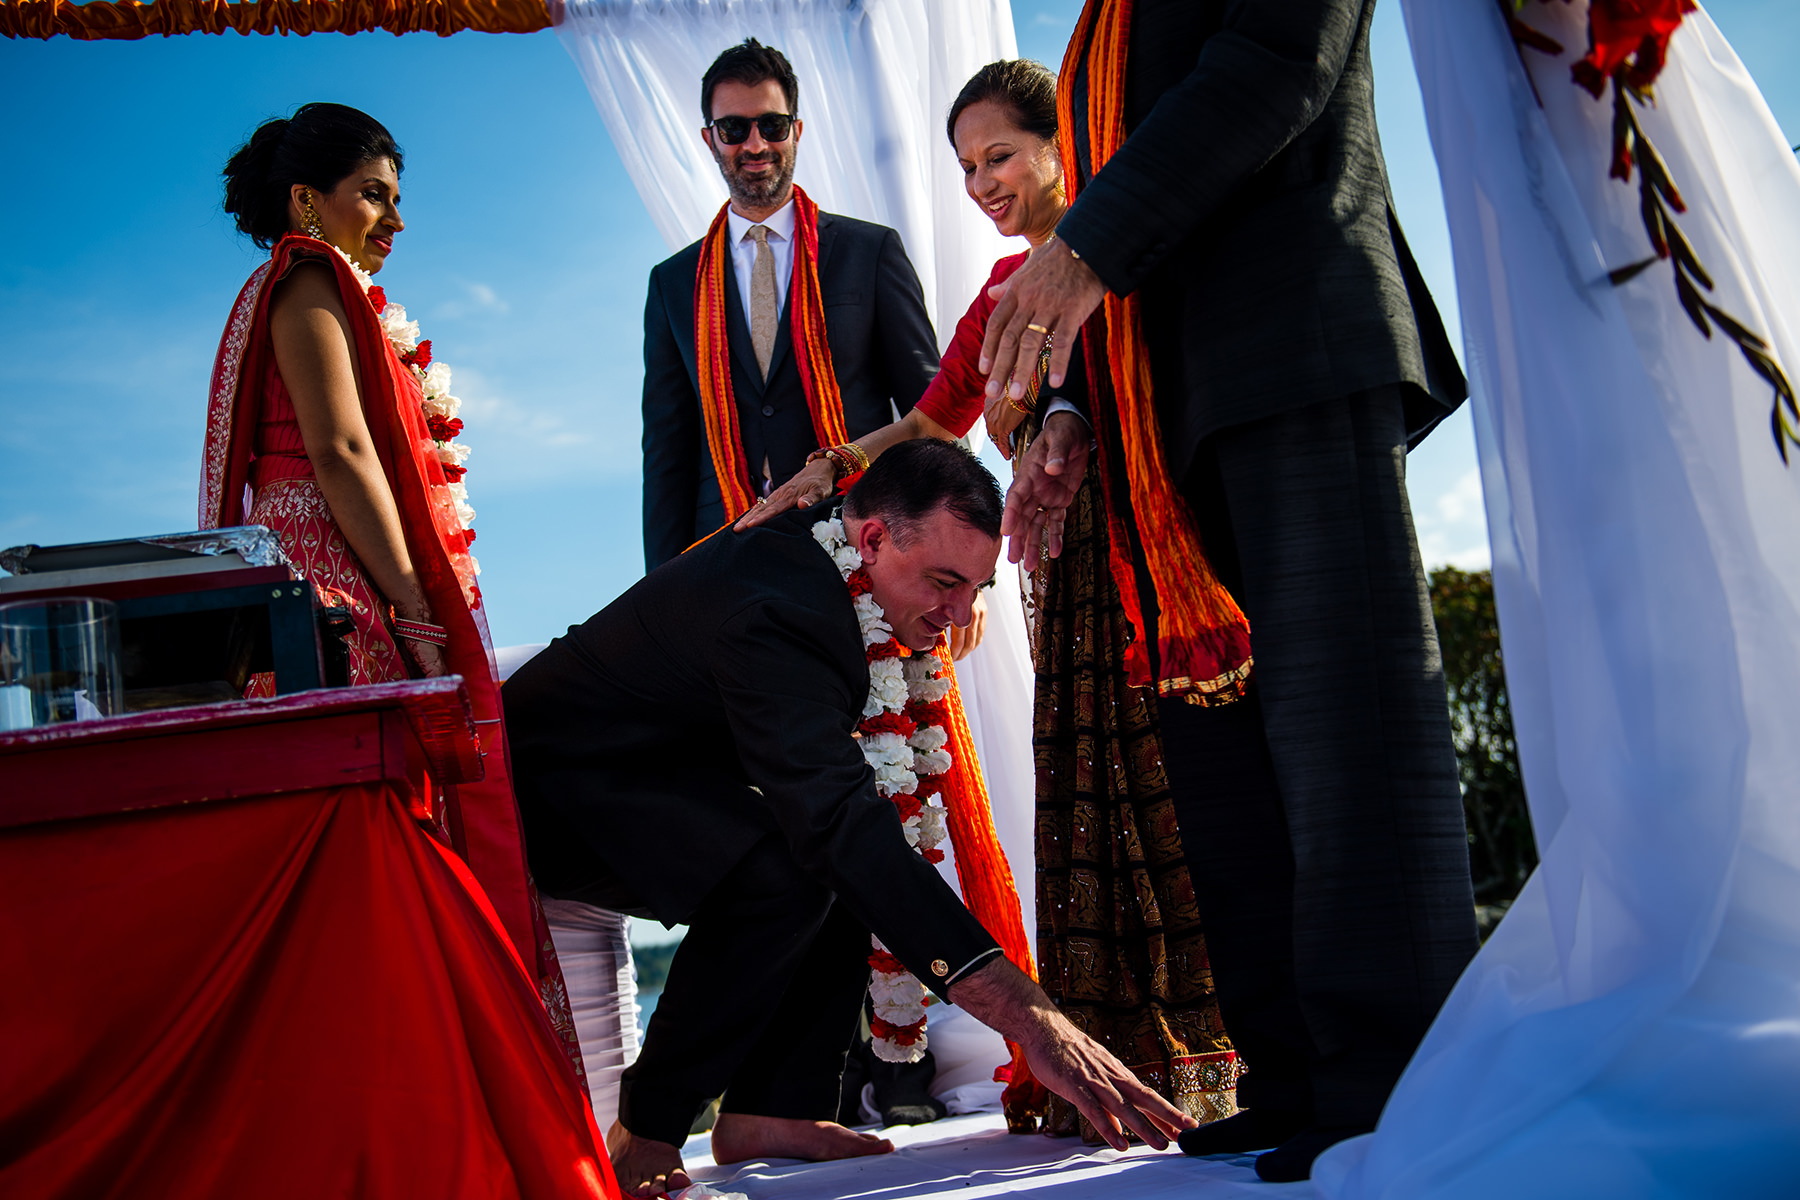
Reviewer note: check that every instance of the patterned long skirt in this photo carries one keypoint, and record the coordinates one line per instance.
(1120, 948)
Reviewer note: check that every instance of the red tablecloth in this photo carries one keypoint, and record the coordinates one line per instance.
(296, 995)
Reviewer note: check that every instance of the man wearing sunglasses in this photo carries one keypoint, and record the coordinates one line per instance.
(746, 368)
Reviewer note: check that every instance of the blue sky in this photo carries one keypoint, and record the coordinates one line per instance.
(525, 259)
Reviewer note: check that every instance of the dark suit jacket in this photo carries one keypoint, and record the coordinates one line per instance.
(882, 348)
(708, 707)
(1249, 208)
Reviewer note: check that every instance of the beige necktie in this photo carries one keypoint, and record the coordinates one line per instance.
(764, 311)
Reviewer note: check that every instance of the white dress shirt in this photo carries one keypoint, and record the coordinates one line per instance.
(781, 245)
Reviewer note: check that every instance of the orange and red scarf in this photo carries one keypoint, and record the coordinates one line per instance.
(1203, 638)
(712, 352)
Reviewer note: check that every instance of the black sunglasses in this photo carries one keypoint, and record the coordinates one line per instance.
(735, 131)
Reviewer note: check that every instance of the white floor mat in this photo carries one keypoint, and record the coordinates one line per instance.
(973, 1156)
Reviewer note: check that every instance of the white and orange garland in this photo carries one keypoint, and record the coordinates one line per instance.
(904, 740)
(440, 407)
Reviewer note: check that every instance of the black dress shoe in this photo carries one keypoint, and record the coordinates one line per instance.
(903, 1091)
(1292, 1161)
(1251, 1129)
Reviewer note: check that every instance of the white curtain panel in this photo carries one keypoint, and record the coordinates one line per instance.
(1633, 1026)
(876, 81)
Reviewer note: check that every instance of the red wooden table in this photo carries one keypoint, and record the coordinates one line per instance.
(237, 964)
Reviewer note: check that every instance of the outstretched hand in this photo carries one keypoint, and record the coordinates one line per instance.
(1066, 1060)
(1048, 476)
(1054, 291)
(815, 482)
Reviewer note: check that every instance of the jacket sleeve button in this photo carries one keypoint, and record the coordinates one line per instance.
(939, 967)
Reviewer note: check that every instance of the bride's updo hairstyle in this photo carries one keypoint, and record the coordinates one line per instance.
(318, 146)
(1025, 87)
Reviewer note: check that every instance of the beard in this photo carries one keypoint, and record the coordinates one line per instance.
(759, 193)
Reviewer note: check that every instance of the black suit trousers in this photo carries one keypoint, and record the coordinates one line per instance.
(1321, 816)
(763, 1000)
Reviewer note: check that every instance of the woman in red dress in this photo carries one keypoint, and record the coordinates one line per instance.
(301, 357)
(317, 427)
(1119, 943)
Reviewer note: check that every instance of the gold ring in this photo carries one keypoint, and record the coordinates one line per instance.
(1037, 329)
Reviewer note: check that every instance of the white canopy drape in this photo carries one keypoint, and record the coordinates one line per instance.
(876, 81)
(1633, 1026)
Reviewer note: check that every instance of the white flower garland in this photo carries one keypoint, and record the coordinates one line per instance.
(440, 408)
(900, 749)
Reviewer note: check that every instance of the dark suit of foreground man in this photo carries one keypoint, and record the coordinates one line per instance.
(687, 755)
(1295, 355)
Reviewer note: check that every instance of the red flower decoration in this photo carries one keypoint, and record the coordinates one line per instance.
(419, 356)
(888, 723)
(453, 473)
(443, 429)
(377, 299)
(881, 650)
(933, 855)
(468, 538)
(900, 1035)
(937, 712)
(908, 805)
(1634, 31)
(886, 963)
(859, 583)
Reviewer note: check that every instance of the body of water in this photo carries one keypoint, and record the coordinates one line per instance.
(646, 1002)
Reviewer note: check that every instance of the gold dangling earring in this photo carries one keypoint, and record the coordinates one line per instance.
(309, 220)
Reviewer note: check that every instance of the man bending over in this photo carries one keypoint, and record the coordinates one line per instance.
(687, 755)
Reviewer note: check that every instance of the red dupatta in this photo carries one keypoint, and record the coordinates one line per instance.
(484, 815)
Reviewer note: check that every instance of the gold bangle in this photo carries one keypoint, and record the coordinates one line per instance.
(859, 454)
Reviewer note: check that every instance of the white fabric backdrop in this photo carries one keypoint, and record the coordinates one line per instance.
(876, 81)
(1633, 1026)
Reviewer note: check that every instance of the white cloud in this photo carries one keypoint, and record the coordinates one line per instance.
(1452, 525)
(476, 298)
(534, 438)
(1463, 502)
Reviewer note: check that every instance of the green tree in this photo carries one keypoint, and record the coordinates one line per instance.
(1502, 850)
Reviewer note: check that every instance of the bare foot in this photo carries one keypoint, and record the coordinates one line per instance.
(739, 1137)
(644, 1167)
